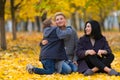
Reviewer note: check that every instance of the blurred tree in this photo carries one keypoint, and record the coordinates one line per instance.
(29, 12)
(38, 10)
(117, 8)
(13, 10)
(99, 10)
(47, 7)
(2, 24)
(78, 7)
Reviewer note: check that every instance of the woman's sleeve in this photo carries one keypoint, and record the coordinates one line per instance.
(80, 51)
(107, 47)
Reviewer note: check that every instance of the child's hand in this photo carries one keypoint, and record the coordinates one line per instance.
(44, 42)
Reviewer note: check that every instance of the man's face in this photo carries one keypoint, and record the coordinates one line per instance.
(60, 21)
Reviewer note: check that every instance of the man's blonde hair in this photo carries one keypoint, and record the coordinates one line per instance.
(59, 13)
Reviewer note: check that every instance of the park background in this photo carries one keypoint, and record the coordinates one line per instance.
(21, 32)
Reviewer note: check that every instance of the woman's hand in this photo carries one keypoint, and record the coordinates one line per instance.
(44, 42)
(90, 52)
(100, 52)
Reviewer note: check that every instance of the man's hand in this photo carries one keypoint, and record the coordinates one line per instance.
(75, 62)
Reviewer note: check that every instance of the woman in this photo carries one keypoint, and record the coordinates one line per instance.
(93, 51)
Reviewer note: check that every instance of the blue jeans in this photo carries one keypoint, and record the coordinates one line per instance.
(73, 67)
(48, 67)
(58, 66)
(68, 67)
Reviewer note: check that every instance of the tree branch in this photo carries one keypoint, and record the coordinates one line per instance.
(15, 7)
(4, 1)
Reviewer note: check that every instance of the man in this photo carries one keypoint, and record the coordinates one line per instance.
(69, 65)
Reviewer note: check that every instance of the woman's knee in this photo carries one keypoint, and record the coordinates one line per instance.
(91, 57)
(111, 57)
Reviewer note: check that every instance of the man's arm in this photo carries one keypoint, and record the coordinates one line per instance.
(63, 34)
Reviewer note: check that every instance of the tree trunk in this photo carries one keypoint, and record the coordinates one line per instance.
(119, 27)
(41, 28)
(85, 16)
(2, 24)
(33, 26)
(26, 25)
(13, 19)
(44, 16)
(77, 19)
(102, 18)
(102, 25)
(38, 23)
(73, 20)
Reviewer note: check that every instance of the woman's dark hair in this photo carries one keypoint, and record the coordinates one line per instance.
(47, 23)
(96, 30)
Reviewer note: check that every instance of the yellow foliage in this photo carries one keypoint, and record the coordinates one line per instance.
(28, 9)
(26, 50)
(87, 9)
(79, 3)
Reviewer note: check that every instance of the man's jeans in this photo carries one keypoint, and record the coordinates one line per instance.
(48, 67)
(68, 67)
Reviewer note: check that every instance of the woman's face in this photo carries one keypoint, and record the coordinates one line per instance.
(60, 21)
(88, 29)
